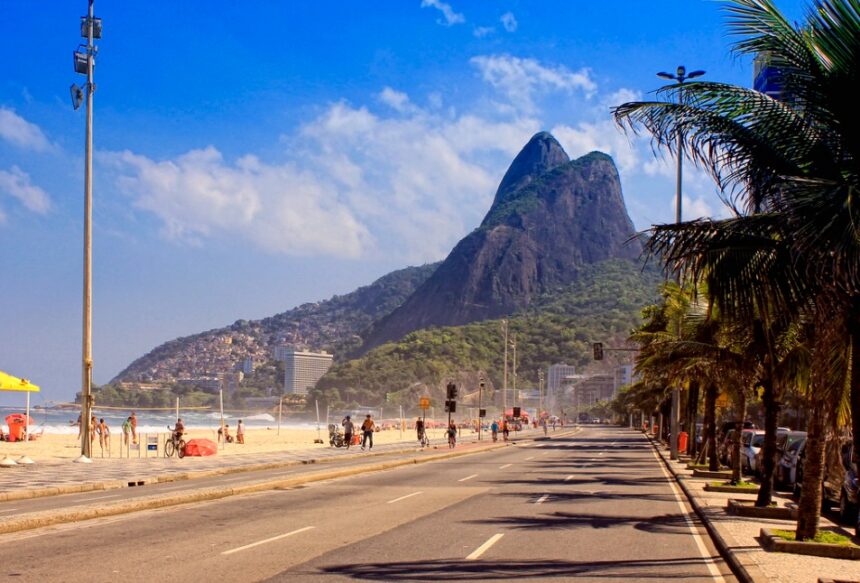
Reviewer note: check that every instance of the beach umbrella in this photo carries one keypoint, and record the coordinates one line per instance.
(12, 383)
(200, 447)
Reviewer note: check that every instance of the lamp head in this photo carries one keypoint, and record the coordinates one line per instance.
(695, 74)
(664, 75)
(682, 70)
(77, 96)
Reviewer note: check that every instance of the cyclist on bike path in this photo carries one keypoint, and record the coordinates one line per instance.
(178, 430)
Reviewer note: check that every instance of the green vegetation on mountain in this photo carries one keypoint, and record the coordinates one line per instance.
(604, 304)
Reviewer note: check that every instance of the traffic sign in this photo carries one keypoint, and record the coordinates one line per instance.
(424, 403)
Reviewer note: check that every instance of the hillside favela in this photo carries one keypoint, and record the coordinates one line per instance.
(427, 290)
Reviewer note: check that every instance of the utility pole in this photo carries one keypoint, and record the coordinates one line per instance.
(505, 373)
(84, 64)
(540, 392)
(514, 372)
(680, 76)
(480, 404)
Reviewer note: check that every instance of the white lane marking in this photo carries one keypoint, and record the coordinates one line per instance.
(505, 466)
(8, 510)
(268, 540)
(468, 478)
(102, 497)
(544, 452)
(709, 561)
(530, 458)
(569, 478)
(542, 499)
(476, 554)
(404, 497)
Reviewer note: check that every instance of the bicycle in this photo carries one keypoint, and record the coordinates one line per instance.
(174, 445)
(424, 440)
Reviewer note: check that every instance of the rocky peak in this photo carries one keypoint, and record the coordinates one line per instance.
(541, 154)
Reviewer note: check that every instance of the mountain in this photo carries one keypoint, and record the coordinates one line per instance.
(550, 218)
(332, 324)
(603, 304)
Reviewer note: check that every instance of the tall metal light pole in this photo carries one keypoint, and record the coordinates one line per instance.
(505, 373)
(84, 64)
(480, 403)
(514, 372)
(680, 76)
(540, 392)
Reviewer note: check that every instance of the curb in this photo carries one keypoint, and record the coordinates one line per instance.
(741, 571)
(79, 513)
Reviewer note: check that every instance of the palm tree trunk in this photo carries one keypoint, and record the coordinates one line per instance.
(736, 440)
(692, 411)
(854, 334)
(710, 422)
(809, 511)
(771, 416)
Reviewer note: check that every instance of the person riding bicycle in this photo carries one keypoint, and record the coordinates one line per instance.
(419, 429)
(452, 434)
(178, 430)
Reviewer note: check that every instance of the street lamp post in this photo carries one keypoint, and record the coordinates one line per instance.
(514, 372)
(84, 64)
(680, 76)
(505, 371)
(480, 404)
(540, 392)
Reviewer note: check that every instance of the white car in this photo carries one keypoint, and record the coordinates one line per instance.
(751, 442)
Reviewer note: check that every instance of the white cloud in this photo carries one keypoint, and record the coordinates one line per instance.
(278, 207)
(521, 79)
(509, 21)
(397, 100)
(695, 208)
(23, 134)
(450, 17)
(16, 183)
(482, 31)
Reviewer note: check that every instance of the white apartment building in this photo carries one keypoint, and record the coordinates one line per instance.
(557, 376)
(302, 370)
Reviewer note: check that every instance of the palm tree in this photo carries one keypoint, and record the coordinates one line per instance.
(789, 169)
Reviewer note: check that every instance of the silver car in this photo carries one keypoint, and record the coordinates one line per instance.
(751, 442)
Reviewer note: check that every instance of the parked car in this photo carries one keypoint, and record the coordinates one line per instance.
(786, 470)
(781, 433)
(840, 486)
(751, 442)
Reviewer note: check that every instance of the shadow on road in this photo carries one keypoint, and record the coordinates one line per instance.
(665, 523)
(634, 570)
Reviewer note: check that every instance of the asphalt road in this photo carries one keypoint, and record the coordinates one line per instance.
(595, 506)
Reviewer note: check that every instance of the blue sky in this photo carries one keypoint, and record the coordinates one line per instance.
(252, 156)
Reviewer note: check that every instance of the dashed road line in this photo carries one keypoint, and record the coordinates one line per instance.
(542, 499)
(505, 466)
(476, 554)
(468, 478)
(267, 540)
(404, 497)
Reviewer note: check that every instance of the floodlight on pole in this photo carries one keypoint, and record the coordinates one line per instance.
(77, 96)
(680, 77)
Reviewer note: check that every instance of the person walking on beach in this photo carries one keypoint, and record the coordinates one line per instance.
(133, 419)
(78, 423)
(348, 430)
(126, 430)
(104, 434)
(94, 426)
(367, 432)
(495, 429)
(240, 432)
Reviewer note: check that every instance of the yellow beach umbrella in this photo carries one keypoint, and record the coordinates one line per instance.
(10, 383)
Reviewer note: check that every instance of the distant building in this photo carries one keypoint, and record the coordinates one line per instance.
(248, 365)
(302, 370)
(279, 352)
(230, 381)
(555, 379)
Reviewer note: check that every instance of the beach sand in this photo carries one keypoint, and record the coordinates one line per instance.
(54, 447)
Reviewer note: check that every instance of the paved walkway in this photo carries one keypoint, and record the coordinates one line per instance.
(739, 536)
(63, 476)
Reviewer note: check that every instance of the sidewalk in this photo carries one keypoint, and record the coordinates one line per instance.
(737, 536)
(64, 477)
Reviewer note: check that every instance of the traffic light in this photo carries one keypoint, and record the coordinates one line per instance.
(598, 351)
(452, 392)
(450, 406)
